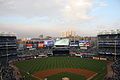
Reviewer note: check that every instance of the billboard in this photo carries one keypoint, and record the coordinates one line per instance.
(87, 44)
(29, 45)
(48, 43)
(45, 43)
(74, 43)
(62, 42)
(84, 43)
(41, 44)
(81, 44)
(83, 47)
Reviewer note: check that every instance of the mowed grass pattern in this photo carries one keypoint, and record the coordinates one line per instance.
(42, 64)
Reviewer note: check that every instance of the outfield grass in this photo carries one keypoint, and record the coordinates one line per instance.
(36, 65)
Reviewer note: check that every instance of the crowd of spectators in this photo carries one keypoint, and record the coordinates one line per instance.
(30, 54)
(7, 73)
(116, 69)
(35, 52)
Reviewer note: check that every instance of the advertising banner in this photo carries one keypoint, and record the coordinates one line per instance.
(41, 45)
(29, 45)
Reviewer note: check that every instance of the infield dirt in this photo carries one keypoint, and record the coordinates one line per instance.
(83, 72)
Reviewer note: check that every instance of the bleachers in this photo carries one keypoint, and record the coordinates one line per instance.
(116, 69)
(7, 73)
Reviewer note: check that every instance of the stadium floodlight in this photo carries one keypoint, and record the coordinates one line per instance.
(115, 51)
(106, 32)
(113, 32)
(100, 33)
(118, 31)
(103, 32)
(2, 33)
(7, 34)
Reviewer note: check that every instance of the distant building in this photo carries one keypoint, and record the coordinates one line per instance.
(109, 44)
(41, 36)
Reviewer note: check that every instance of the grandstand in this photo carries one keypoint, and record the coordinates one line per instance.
(8, 50)
(116, 70)
(109, 46)
(7, 45)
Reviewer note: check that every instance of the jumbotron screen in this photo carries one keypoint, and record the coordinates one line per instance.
(62, 42)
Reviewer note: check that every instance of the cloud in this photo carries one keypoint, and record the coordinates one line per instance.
(28, 8)
(31, 30)
(103, 4)
(46, 15)
(78, 9)
(65, 9)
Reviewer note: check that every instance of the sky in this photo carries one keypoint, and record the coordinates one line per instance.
(30, 18)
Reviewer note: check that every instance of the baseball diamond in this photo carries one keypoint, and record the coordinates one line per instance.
(54, 68)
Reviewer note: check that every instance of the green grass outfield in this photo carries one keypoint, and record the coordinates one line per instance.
(41, 64)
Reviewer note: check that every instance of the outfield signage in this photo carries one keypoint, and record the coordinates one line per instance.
(84, 43)
(29, 45)
(99, 58)
(64, 42)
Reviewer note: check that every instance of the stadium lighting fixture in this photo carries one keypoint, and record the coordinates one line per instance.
(118, 31)
(115, 50)
(7, 52)
(113, 32)
(7, 34)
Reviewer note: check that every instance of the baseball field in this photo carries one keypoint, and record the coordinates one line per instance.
(56, 68)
